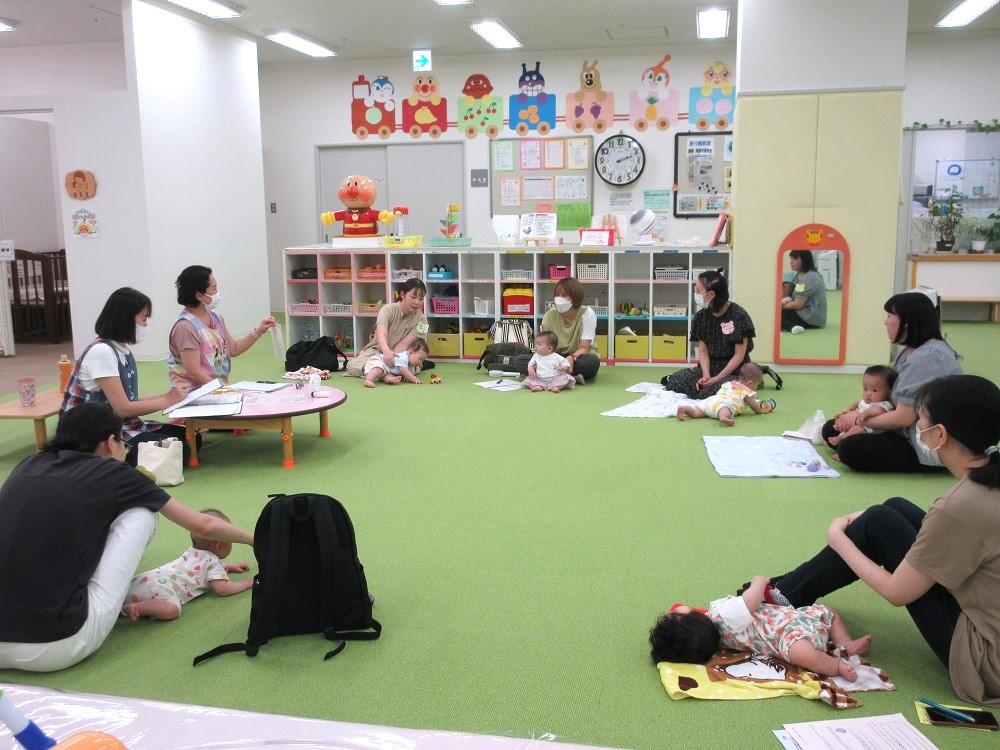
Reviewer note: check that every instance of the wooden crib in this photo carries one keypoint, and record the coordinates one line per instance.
(39, 294)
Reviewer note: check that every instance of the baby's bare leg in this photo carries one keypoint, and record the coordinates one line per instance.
(683, 412)
(726, 416)
(158, 609)
(393, 379)
(855, 430)
(842, 637)
(374, 374)
(804, 654)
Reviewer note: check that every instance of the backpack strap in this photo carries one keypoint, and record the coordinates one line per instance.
(277, 563)
(328, 541)
(226, 648)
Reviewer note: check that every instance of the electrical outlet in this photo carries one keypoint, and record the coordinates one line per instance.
(274, 208)
(479, 178)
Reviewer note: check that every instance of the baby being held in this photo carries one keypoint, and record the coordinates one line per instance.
(876, 389)
(159, 593)
(748, 623)
(732, 399)
(404, 365)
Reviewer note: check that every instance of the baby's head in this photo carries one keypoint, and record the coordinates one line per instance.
(685, 635)
(876, 385)
(219, 549)
(417, 351)
(546, 343)
(751, 375)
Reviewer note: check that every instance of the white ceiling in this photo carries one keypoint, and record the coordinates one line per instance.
(392, 28)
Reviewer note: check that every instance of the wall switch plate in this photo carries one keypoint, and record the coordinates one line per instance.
(274, 208)
(480, 178)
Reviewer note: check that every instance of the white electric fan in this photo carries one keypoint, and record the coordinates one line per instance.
(641, 226)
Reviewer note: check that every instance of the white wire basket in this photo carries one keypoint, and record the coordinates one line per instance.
(482, 306)
(516, 273)
(592, 271)
(663, 273)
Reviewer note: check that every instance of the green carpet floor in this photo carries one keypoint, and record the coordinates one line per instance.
(520, 546)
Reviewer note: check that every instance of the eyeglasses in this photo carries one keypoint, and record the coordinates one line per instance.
(127, 446)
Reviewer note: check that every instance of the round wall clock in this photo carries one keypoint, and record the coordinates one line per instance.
(620, 160)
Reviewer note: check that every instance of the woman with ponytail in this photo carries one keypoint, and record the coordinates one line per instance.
(76, 522)
(942, 565)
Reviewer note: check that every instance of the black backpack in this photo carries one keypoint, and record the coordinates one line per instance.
(320, 353)
(501, 356)
(309, 577)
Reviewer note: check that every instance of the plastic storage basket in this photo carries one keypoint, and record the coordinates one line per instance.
(405, 274)
(600, 311)
(337, 274)
(305, 308)
(593, 271)
(368, 307)
(668, 311)
(558, 271)
(520, 274)
(371, 274)
(338, 308)
(482, 306)
(444, 305)
(664, 273)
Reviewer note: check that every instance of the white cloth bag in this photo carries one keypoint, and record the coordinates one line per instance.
(164, 459)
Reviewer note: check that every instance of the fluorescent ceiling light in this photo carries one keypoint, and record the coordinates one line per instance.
(6, 25)
(210, 8)
(496, 34)
(453, 2)
(294, 40)
(713, 22)
(965, 13)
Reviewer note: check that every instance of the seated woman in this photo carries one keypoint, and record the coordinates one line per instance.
(724, 333)
(805, 307)
(398, 324)
(911, 322)
(201, 347)
(575, 325)
(941, 565)
(106, 372)
(83, 521)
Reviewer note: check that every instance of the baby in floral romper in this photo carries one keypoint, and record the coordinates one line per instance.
(732, 399)
(752, 622)
(160, 593)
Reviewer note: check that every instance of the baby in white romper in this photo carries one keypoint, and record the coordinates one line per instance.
(159, 593)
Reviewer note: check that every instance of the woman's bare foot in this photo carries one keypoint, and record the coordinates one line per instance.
(393, 379)
(536, 388)
(859, 646)
(847, 671)
(369, 383)
(835, 457)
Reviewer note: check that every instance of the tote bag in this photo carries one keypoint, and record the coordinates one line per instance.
(164, 459)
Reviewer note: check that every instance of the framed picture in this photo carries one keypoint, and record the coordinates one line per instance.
(597, 237)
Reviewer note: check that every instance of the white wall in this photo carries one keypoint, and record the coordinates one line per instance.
(69, 69)
(28, 212)
(199, 116)
(951, 76)
(308, 105)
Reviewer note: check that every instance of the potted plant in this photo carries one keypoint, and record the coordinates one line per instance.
(946, 216)
(977, 228)
(993, 230)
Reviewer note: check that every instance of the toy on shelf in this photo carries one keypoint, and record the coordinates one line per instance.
(435, 379)
(449, 228)
(358, 193)
(30, 737)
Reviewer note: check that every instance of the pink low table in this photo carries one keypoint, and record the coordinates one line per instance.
(275, 415)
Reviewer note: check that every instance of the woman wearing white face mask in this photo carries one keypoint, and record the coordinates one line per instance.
(943, 565)
(106, 372)
(724, 333)
(575, 325)
(912, 322)
(201, 347)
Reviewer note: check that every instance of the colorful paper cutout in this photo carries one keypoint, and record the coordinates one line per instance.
(591, 106)
(477, 110)
(533, 108)
(713, 103)
(425, 110)
(654, 103)
(373, 110)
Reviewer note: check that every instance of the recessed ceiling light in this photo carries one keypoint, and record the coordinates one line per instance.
(296, 41)
(496, 34)
(965, 13)
(210, 8)
(713, 22)
(453, 2)
(7, 25)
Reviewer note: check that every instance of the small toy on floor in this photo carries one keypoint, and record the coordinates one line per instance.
(768, 405)
(435, 379)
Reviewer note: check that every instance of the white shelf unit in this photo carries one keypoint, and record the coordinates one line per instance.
(466, 293)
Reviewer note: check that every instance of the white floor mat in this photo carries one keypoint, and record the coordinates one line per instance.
(765, 457)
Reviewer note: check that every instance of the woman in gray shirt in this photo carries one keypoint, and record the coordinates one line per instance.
(806, 306)
(912, 322)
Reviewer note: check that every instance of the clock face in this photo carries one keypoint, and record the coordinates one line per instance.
(619, 160)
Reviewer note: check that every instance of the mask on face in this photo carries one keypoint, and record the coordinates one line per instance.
(562, 304)
(929, 453)
(699, 300)
(140, 333)
(215, 300)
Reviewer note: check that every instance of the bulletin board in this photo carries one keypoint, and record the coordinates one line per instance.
(543, 175)
(703, 173)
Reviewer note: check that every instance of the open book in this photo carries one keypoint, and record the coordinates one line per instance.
(202, 402)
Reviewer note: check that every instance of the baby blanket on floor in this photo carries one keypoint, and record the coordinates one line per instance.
(760, 456)
(656, 404)
(742, 675)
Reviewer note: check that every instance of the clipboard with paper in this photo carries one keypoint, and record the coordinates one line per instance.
(203, 402)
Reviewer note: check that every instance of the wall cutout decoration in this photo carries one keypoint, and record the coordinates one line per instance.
(712, 103)
(80, 184)
(424, 110)
(654, 102)
(533, 108)
(373, 109)
(478, 110)
(591, 106)
(85, 224)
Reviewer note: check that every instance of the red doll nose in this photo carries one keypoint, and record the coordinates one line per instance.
(352, 192)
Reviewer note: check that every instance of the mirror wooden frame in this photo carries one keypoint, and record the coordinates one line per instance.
(813, 237)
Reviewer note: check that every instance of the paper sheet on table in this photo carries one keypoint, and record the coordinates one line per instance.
(500, 385)
(194, 395)
(890, 731)
(258, 386)
(208, 410)
(758, 456)
(278, 341)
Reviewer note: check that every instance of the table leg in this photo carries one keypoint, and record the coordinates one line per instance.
(41, 436)
(192, 440)
(324, 423)
(286, 438)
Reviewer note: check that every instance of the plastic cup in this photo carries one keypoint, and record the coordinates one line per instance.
(26, 390)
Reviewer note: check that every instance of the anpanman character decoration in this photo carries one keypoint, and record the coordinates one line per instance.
(358, 192)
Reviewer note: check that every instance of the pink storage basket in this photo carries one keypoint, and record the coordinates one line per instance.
(444, 305)
(558, 272)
